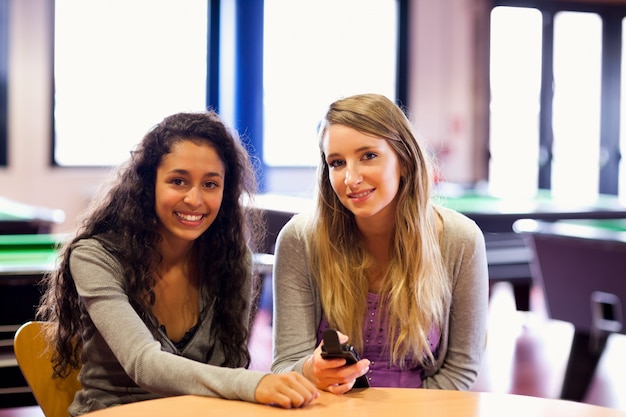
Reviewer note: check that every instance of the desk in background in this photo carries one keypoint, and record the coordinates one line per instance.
(507, 255)
(492, 214)
(497, 215)
(24, 259)
(370, 402)
(19, 218)
(581, 268)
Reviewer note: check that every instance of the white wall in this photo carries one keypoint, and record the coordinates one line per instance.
(440, 99)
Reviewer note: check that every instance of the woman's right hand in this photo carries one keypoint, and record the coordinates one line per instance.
(289, 390)
(331, 374)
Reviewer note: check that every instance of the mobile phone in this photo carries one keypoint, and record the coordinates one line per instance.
(332, 349)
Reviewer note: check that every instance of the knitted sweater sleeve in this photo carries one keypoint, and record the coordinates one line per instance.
(97, 275)
(297, 308)
(463, 341)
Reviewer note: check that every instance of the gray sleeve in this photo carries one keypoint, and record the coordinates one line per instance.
(463, 342)
(297, 308)
(97, 276)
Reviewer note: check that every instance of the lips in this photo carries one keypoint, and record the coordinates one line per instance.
(189, 217)
(360, 194)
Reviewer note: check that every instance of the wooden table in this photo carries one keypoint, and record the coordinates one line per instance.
(374, 402)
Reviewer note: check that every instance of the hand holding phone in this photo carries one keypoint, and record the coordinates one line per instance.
(332, 349)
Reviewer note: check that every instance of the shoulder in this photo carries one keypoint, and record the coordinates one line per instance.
(92, 250)
(87, 244)
(294, 237)
(462, 244)
(98, 243)
(298, 226)
(94, 267)
(458, 228)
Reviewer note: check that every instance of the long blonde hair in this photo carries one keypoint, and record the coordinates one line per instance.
(415, 290)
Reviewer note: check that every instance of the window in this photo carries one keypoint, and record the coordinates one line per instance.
(515, 82)
(576, 104)
(316, 52)
(120, 67)
(555, 82)
(113, 85)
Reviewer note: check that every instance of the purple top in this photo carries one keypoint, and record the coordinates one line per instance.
(382, 372)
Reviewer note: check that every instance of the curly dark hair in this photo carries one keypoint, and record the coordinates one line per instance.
(126, 215)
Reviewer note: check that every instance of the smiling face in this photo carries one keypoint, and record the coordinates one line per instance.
(189, 190)
(364, 172)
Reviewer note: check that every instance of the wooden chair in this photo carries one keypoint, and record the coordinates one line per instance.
(54, 395)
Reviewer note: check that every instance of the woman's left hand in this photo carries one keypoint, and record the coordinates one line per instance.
(290, 390)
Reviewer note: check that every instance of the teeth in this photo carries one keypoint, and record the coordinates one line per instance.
(190, 217)
(363, 194)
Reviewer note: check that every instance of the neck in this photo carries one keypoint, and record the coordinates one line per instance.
(378, 246)
(175, 253)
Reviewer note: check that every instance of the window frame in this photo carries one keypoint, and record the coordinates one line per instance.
(611, 15)
(4, 82)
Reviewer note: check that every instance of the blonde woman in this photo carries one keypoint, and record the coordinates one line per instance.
(403, 280)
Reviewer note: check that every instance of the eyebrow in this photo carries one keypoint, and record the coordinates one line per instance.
(185, 172)
(361, 149)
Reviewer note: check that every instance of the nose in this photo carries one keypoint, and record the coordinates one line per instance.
(353, 176)
(193, 197)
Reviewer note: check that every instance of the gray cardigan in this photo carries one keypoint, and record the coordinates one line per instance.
(298, 310)
(121, 360)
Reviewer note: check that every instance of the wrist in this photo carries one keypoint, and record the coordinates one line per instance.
(307, 368)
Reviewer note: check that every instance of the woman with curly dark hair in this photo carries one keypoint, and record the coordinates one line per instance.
(153, 293)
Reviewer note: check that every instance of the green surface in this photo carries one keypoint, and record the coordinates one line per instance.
(476, 201)
(30, 241)
(618, 225)
(29, 252)
(15, 258)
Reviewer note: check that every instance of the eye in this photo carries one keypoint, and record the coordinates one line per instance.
(369, 155)
(178, 181)
(336, 163)
(211, 185)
